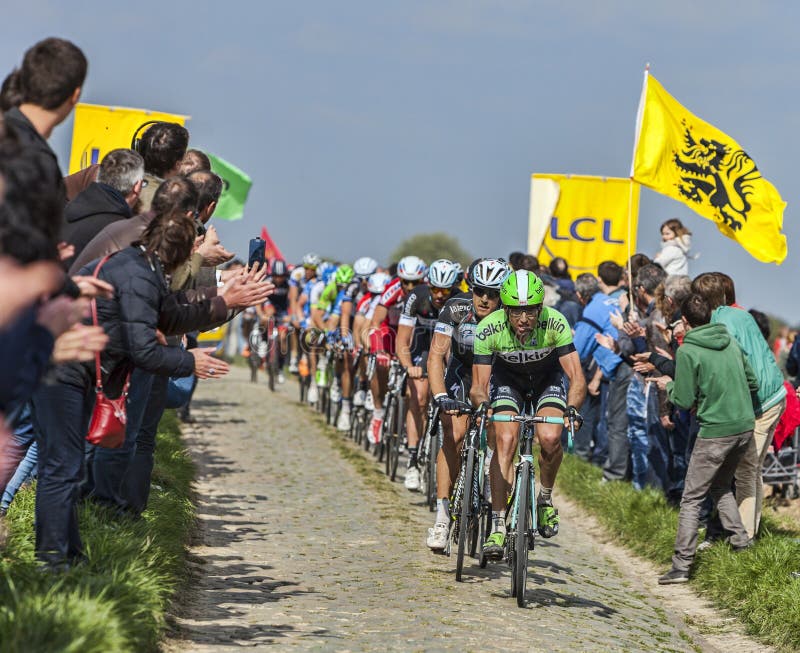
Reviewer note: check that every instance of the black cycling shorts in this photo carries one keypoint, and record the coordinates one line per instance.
(509, 392)
(458, 380)
(420, 359)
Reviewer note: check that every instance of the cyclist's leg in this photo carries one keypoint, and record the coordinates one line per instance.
(415, 418)
(552, 402)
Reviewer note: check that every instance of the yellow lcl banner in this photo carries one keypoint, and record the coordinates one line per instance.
(99, 129)
(585, 220)
(681, 156)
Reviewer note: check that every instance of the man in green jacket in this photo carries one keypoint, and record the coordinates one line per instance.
(711, 374)
(719, 291)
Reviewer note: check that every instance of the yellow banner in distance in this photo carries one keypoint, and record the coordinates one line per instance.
(99, 129)
(589, 221)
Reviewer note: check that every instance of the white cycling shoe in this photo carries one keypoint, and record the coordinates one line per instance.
(343, 423)
(437, 536)
(412, 479)
(359, 397)
(313, 394)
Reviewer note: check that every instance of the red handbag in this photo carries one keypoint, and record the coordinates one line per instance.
(107, 428)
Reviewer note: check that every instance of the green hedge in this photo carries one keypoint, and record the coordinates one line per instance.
(756, 586)
(117, 601)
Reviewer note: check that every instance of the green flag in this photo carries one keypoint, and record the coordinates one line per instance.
(236, 185)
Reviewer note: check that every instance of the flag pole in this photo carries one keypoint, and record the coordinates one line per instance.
(639, 119)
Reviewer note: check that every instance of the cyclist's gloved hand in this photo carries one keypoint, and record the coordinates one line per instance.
(332, 336)
(446, 403)
(574, 416)
(347, 340)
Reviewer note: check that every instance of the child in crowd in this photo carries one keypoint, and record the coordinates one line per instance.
(675, 243)
(711, 373)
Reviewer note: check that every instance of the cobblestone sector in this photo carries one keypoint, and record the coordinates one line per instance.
(304, 543)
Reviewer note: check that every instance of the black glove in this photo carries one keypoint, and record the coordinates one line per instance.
(446, 403)
(574, 416)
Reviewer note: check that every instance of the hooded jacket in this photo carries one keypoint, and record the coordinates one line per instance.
(711, 372)
(745, 331)
(89, 213)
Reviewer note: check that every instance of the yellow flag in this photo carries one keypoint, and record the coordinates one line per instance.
(681, 156)
(99, 129)
(585, 220)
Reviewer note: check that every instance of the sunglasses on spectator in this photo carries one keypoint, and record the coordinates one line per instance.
(489, 293)
(531, 312)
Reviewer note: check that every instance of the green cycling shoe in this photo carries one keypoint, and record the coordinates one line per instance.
(547, 520)
(495, 545)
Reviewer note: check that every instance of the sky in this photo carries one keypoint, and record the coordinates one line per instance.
(362, 123)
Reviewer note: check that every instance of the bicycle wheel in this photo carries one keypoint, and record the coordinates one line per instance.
(397, 435)
(272, 363)
(466, 510)
(388, 434)
(524, 520)
(430, 468)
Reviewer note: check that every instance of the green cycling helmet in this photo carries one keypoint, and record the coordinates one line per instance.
(344, 275)
(522, 288)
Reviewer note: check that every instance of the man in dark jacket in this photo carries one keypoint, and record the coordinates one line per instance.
(109, 199)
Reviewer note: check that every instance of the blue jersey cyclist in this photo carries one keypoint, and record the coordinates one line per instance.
(525, 349)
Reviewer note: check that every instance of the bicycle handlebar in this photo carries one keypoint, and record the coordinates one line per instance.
(542, 419)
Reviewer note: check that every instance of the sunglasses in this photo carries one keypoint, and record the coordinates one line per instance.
(409, 284)
(439, 291)
(489, 293)
(517, 312)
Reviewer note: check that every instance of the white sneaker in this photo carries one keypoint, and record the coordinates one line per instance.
(437, 536)
(281, 378)
(412, 479)
(369, 404)
(293, 369)
(343, 423)
(313, 394)
(359, 397)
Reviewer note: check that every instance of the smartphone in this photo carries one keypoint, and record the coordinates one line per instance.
(257, 252)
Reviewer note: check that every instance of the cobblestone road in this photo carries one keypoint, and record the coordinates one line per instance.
(303, 543)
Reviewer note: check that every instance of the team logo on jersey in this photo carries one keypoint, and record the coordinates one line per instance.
(489, 330)
(525, 356)
(552, 324)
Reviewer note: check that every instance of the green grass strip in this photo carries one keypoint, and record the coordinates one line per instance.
(116, 602)
(756, 586)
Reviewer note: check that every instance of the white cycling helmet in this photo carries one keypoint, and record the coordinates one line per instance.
(442, 273)
(298, 274)
(411, 268)
(365, 266)
(489, 273)
(377, 282)
(311, 260)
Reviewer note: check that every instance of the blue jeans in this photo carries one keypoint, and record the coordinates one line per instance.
(659, 454)
(136, 482)
(637, 431)
(107, 467)
(20, 420)
(25, 470)
(61, 414)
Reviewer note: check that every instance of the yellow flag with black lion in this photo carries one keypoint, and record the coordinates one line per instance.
(681, 156)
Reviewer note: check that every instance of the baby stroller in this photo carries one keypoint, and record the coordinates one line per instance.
(781, 467)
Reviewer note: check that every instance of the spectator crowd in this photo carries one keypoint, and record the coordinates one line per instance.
(104, 274)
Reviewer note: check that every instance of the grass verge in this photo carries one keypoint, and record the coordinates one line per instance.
(756, 586)
(117, 601)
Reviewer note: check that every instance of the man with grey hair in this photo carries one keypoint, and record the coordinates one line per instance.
(109, 199)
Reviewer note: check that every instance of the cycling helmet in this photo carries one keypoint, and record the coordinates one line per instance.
(365, 266)
(344, 275)
(489, 273)
(311, 260)
(325, 271)
(411, 268)
(442, 273)
(377, 282)
(298, 274)
(522, 288)
(279, 268)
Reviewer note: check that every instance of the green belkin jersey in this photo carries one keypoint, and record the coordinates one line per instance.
(496, 344)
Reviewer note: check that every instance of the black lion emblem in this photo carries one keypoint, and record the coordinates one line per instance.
(711, 172)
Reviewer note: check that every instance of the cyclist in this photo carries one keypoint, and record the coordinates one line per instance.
(522, 350)
(454, 334)
(376, 284)
(277, 308)
(414, 332)
(316, 322)
(383, 329)
(300, 288)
